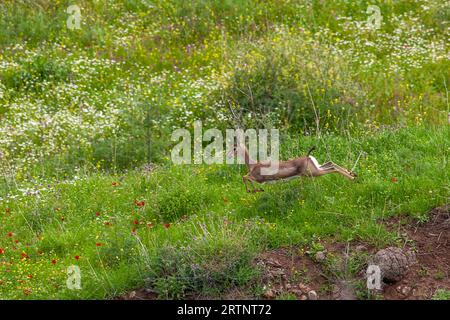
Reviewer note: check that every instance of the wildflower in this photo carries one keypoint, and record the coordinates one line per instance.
(166, 225)
(150, 225)
(115, 184)
(27, 292)
(77, 257)
(394, 180)
(24, 255)
(8, 210)
(10, 234)
(136, 222)
(97, 214)
(54, 262)
(99, 244)
(62, 219)
(2, 251)
(107, 223)
(140, 204)
(30, 276)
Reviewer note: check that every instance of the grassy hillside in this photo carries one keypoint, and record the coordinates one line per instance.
(86, 117)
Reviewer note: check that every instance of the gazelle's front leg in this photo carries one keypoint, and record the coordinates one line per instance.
(245, 178)
(249, 178)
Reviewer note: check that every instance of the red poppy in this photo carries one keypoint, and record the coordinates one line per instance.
(53, 261)
(107, 223)
(99, 244)
(10, 234)
(16, 241)
(394, 180)
(167, 225)
(2, 251)
(77, 257)
(136, 222)
(23, 255)
(115, 184)
(140, 204)
(30, 276)
(97, 214)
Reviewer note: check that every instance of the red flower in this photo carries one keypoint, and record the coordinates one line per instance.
(115, 184)
(167, 225)
(136, 222)
(2, 251)
(26, 292)
(394, 180)
(99, 244)
(23, 255)
(150, 225)
(133, 231)
(53, 261)
(97, 214)
(10, 234)
(30, 276)
(140, 204)
(77, 257)
(107, 223)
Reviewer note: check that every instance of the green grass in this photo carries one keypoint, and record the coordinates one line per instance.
(215, 227)
(83, 111)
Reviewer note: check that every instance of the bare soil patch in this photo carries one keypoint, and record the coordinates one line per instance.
(431, 242)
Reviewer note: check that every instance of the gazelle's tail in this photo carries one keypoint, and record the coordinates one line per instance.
(311, 150)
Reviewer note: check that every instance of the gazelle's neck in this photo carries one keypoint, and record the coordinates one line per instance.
(248, 160)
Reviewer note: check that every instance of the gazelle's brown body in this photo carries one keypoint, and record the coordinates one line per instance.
(306, 166)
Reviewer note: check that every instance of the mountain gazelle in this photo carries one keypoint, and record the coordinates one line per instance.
(306, 166)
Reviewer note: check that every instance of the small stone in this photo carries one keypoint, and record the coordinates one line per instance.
(303, 297)
(405, 290)
(132, 294)
(269, 294)
(320, 256)
(361, 248)
(312, 295)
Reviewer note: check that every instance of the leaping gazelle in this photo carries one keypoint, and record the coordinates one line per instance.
(306, 166)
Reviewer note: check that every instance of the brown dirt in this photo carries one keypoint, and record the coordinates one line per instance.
(291, 271)
(431, 241)
(294, 272)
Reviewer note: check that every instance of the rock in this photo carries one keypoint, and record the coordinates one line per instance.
(269, 294)
(312, 295)
(303, 297)
(361, 248)
(320, 256)
(132, 294)
(393, 263)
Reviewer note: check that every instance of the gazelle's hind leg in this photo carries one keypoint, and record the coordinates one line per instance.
(319, 170)
(339, 169)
